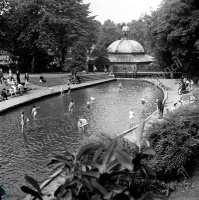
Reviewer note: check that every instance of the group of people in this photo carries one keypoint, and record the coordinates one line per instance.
(15, 85)
(81, 122)
(185, 85)
(34, 113)
(159, 102)
(76, 80)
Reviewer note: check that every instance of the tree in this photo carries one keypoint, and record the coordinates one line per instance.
(69, 21)
(174, 28)
(29, 28)
(108, 34)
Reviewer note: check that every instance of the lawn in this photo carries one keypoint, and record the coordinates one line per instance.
(50, 81)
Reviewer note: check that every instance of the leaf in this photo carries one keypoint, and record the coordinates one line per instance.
(61, 160)
(68, 195)
(52, 162)
(145, 142)
(87, 183)
(31, 192)
(148, 170)
(97, 154)
(108, 196)
(93, 164)
(64, 186)
(97, 186)
(91, 174)
(87, 148)
(149, 152)
(124, 159)
(96, 197)
(34, 183)
(139, 132)
(111, 166)
(2, 191)
(108, 153)
(57, 168)
(57, 191)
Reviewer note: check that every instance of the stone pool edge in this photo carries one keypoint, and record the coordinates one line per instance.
(60, 171)
(149, 117)
(46, 93)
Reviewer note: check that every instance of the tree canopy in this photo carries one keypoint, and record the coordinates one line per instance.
(30, 28)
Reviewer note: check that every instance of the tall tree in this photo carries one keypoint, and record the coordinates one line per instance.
(175, 30)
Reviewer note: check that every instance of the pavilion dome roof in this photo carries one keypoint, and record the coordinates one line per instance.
(125, 28)
(125, 46)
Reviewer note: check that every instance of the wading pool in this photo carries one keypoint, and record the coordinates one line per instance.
(55, 129)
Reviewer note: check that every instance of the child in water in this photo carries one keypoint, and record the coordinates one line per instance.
(88, 105)
(71, 106)
(62, 90)
(34, 111)
(131, 117)
(22, 120)
(120, 85)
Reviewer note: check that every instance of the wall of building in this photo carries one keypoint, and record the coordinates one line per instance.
(124, 67)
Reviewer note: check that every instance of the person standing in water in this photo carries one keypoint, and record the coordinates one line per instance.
(62, 91)
(71, 106)
(120, 85)
(22, 121)
(131, 117)
(34, 111)
(88, 105)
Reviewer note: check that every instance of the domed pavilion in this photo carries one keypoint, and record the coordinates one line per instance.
(127, 56)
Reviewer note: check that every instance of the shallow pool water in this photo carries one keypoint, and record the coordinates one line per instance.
(55, 129)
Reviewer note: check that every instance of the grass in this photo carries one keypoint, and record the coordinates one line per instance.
(50, 81)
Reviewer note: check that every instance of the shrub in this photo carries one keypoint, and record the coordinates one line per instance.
(176, 142)
(98, 172)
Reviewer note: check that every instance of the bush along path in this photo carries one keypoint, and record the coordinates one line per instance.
(176, 143)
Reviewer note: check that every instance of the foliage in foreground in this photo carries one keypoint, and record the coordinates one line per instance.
(100, 173)
(176, 143)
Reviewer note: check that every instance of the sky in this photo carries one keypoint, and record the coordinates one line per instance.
(121, 10)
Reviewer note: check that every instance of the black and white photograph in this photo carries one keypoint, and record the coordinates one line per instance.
(99, 99)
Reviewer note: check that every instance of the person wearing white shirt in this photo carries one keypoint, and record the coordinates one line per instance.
(131, 117)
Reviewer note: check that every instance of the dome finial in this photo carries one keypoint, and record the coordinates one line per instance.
(125, 32)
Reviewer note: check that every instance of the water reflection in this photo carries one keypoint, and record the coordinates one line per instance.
(54, 130)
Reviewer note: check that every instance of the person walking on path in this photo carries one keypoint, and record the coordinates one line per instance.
(18, 76)
(10, 73)
(160, 107)
(26, 77)
(94, 69)
(1, 76)
(165, 96)
(69, 88)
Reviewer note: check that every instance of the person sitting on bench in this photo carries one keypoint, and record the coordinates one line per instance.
(4, 94)
(78, 79)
